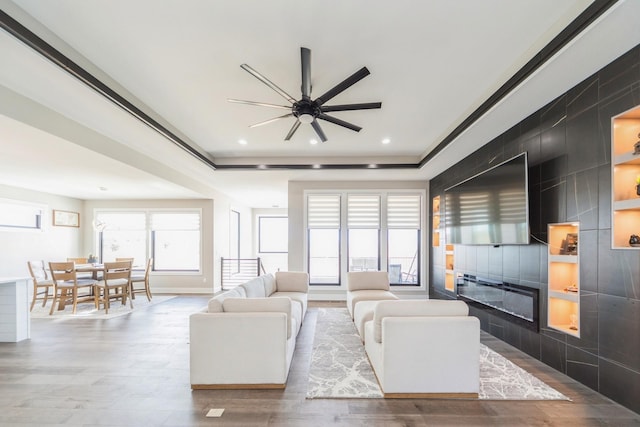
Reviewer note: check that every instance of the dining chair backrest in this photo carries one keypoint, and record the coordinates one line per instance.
(37, 270)
(117, 270)
(125, 259)
(79, 260)
(63, 272)
(147, 268)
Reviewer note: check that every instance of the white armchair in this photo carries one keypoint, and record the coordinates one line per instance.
(367, 286)
(425, 348)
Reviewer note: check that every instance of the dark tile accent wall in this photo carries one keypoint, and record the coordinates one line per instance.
(568, 144)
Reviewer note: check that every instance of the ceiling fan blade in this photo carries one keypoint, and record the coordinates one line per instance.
(271, 120)
(339, 122)
(316, 126)
(305, 58)
(348, 107)
(268, 82)
(259, 104)
(345, 84)
(293, 130)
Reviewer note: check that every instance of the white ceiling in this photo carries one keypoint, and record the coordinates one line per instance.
(432, 63)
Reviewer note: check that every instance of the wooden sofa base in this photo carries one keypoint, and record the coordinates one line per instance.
(430, 395)
(237, 386)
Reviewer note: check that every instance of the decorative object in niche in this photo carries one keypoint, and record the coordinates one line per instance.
(570, 245)
(634, 240)
(636, 146)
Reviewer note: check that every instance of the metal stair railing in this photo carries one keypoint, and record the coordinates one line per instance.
(235, 271)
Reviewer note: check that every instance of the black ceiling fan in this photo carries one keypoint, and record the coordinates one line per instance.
(307, 110)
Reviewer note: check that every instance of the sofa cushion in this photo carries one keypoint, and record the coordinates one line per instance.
(363, 313)
(292, 281)
(296, 297)
(256, 305)
(269, 283)
(254, 288)
(354, 297)
(415, 308)
(215, 303)
(361, 280)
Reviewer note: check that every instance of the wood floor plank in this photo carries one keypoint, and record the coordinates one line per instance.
(134, 371)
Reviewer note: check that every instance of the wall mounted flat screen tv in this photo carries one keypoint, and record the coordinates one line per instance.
(491, 208)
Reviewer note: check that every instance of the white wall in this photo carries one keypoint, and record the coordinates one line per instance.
(51, 244)
(297, 231)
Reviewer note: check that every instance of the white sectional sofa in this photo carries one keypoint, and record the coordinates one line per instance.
(424, 348)
(246, 336)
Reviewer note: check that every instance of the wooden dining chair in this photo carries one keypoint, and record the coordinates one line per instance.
(79, 260)
(117, 277)
(40, 280)
(65, 279)
(144, 279)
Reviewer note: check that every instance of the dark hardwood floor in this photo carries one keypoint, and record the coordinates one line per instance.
(134, 371)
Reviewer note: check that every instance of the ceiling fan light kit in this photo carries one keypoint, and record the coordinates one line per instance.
(306, 110)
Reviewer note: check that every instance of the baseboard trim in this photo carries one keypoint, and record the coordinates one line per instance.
(430, 395)
(237, 386)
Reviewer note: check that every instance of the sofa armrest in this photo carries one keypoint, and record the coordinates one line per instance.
(238, 348)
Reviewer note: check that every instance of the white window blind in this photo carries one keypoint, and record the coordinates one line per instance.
(175, 221)
(19, 215)
(121, 220)
(363, 211)
(323, 211)
(403, 211)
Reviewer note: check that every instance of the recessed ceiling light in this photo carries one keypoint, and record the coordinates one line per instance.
(317, 166)
(242, 142)
(372, 166)
(386, 141)
(313, 141)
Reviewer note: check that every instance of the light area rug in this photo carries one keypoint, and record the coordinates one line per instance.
(87, 310)
(340, 368)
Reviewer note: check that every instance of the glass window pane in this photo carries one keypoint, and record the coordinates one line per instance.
(364, 249)
(19, 215)
(124, 235)
(403, 252)
(176, 250)
(324, 256)
(124, 244)
(273, 234)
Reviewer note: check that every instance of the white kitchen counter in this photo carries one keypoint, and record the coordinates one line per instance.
(15, 319)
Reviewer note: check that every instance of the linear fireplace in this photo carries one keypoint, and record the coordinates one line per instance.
(518, 304)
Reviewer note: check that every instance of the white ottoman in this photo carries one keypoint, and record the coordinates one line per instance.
(363, 312)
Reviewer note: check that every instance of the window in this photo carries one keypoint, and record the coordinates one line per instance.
(123, 235)
(354, 235)
(18, 215)
(172, 239)
(363, 242)
(323, 234)
(175, 241)
(273, 234)
(403, 239)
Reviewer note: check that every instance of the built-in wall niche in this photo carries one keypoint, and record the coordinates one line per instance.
(564, 278)
(435, 217)
(449, 272)
(625, 178)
